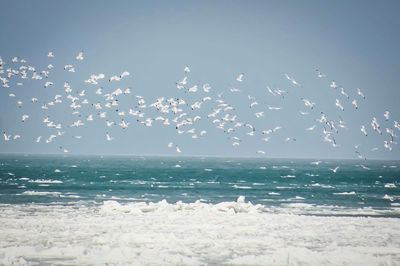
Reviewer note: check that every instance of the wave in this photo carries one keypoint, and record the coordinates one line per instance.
(345, 193)
(41, 193)
(46, 181)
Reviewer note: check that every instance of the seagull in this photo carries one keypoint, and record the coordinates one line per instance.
(308, 103)
(260, 152)
(6, 137)
(333, 84)
(359, 92)
(79, 56)
(259, 114)
(177, 149)
(292, 80)
(354, 102)
(319, 74)
(109, 138)
(387, 145)
(240, 77)
(38, 139)
(50, 54)
(48, 83)
(339, 105)
(186, 69)
(206, 87)
(253, 104)
(334, 169)
(386, 115)
(344, 93)
(24, 117)
(311, 128)
(363, 130)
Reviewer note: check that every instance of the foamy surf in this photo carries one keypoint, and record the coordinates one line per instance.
(198, 233)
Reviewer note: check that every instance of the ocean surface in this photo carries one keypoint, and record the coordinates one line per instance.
(290, 186)
(129, 210)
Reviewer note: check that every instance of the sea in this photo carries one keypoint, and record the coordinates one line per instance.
(133, 210)
(288, 185)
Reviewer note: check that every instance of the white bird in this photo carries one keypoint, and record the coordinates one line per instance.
(240, 77)
(292, 80)
(344, 93)
(359, 92)
(170, 144)
(259, 114)
(193, 88)
(109, 138)
(24, 117)
(333, 84)
(38, 139)
(260, 152)
(79, 56)
(123, 124)
(177, 149)
(51, 138)
(253, 104)
(319, 74)
(334, 169)
(206, 87)
(50, 54)
(387, 145)
(48, 83)
(308, 103)
(186, 69)
(311, 128)
(386, 115)
(363, 130)
(354, 102)
(6, 137)
(274, 108)
(339, 105)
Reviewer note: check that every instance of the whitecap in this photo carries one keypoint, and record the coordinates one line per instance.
(41, 193)
(241, 187)
(46, 181)
(345, 193)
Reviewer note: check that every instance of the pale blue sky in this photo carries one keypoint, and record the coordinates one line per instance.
(354, 42)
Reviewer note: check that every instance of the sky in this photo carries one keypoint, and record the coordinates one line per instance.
(354, 43)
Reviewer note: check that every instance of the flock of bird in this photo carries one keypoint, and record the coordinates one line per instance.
(180, 113)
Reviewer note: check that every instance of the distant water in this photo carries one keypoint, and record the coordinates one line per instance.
(290, 186)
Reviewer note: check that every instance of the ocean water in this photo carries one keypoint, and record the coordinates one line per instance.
(127, 210)
(298, 186)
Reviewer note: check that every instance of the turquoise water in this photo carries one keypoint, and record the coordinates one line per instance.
(273, 183)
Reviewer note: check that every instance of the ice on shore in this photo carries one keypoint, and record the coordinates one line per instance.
(198, 233)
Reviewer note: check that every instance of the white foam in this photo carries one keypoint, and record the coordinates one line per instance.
(46, 181)
(41, 193)
(345, 193)
(288, 176)
(241, 187)
(390, 185)
(228, 233)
